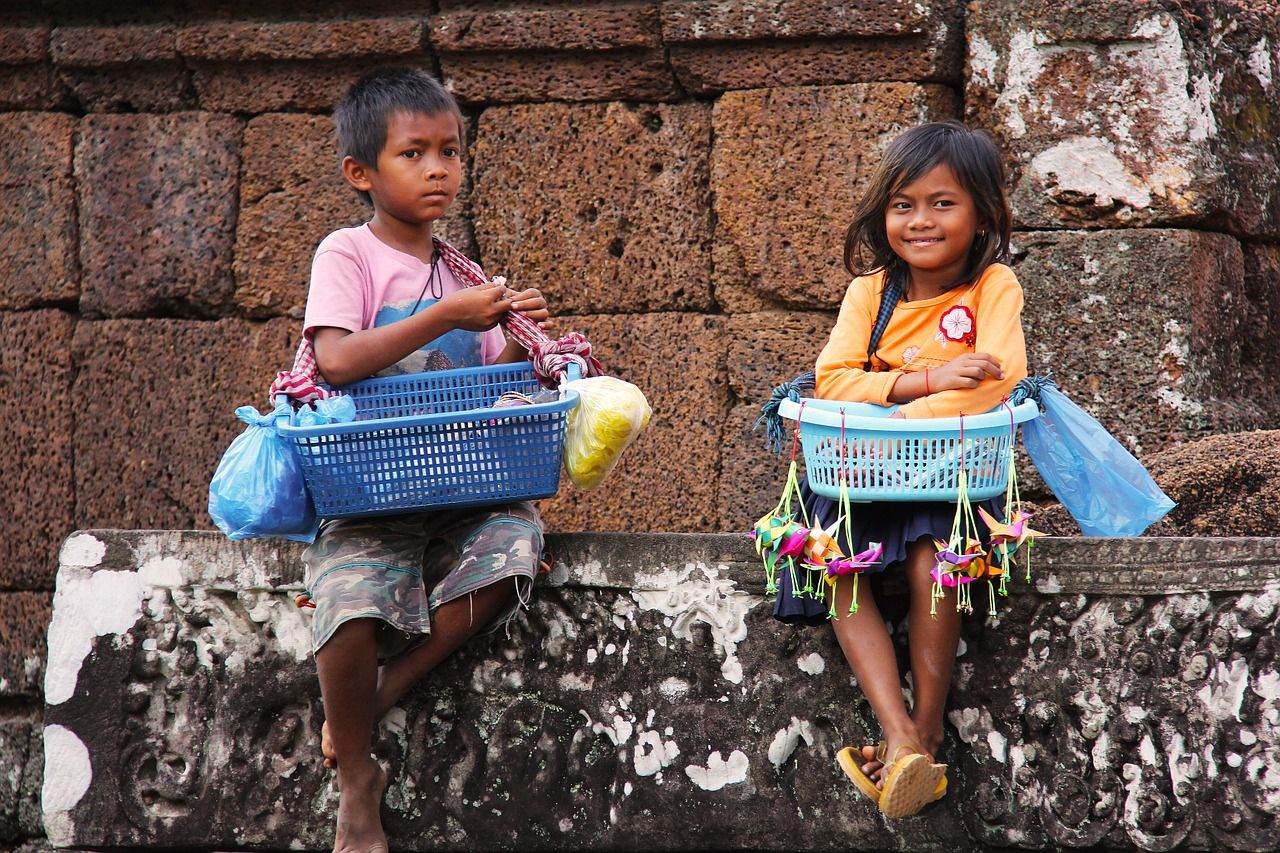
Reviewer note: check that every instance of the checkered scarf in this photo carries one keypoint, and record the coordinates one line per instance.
(889, 298)
(550, 358)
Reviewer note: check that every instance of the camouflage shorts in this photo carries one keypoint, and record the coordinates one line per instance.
(400, 568)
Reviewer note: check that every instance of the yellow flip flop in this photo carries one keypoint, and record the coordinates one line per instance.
(851, 761)
(912, 781)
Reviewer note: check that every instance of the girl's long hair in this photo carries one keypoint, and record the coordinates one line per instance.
(973, 157)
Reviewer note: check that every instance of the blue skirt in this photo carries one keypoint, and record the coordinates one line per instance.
(894, 524)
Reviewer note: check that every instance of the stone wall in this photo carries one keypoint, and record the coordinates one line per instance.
(675, 174)
(1130, 698)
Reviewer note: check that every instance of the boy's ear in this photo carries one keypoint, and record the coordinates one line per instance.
(356, 173)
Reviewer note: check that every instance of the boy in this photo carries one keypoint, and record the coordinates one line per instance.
(405, 590)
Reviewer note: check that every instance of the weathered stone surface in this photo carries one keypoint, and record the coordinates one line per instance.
(37, 210)
(632, 74)
(156, 88)
(36, 409)
(23, 619)
(667, 479)
(21, 756)
(1225, 485)
(716, 46)
(602, 206)
(787, 169)
(93, 47)
(1143, 328)
(270, 86)
(764, 350)
(157, 212)
(292, 194)
(1260, 327)
(1134, 113)
(648, 674)
(22, 44)
(27, 87)
(182, 380)
(483, 26)
(239, 41)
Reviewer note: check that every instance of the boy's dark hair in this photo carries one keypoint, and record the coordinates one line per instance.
(362, 116)
(973, 157)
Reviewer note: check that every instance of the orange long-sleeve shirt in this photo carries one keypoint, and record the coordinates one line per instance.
(917, 338)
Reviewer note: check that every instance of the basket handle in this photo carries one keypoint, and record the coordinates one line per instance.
(572, 371)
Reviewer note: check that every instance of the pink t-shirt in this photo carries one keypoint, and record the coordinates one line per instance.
(359, 282)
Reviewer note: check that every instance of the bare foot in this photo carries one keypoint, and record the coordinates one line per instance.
(930, 737)
(326, 747)
(359, 824)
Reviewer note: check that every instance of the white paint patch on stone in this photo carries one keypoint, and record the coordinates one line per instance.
(673, 689)
(619, 732)
(574, 681)
(591, 655)
(784, 743)
(812, 664)
(86, 605)
(720, 771)
(982, 61)
(163, 572)
(1268, 685)
(1260, 62)
(1223, 694)
(999, 745)
(651, 753)
(1089, 166)
(696, 594)
(971, 723)
(83, 550)
(1021, 78)
(1048, 585)
(67, 776)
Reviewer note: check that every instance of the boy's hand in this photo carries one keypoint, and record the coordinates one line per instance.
(531, 303)
(965, 371)
(477, 309)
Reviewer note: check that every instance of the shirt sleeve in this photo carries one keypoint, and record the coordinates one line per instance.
(337, 294)
(841, 372)
(492, 345)
(999, 333)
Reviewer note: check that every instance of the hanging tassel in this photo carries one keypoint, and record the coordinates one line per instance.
(853, 602)
(770, 419)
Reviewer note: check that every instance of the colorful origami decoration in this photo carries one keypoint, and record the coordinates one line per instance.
(777, 534)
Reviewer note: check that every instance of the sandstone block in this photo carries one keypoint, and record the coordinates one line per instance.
(292, 194)
(1132, 114)
(20, 749)
(182, 379)
(630, 74)
(1225, 485)
(98, 46)
(37, 210)
(787, 168)
(24, 43)
(1261, 307)
(602, 206)
(471, 26)
(716, 46)
(27, 87)
(270, 86)
(667, 479)
(149, 88)
(157, 212)
(22, 643)
(1144, 329)
(36, 409)
(241, 41)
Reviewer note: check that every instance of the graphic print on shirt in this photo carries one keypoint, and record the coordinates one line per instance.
(458, 348)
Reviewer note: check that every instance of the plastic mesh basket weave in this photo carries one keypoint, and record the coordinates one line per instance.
(432, 440)
(904, 459)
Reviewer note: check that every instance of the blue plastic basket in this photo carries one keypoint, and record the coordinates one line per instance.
(904, 459)
(431, 440)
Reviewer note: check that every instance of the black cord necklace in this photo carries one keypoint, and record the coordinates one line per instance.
(433, 281)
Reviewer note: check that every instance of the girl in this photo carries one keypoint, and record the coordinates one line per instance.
(932, 322)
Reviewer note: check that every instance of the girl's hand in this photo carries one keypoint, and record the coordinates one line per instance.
(965, 371)
(477, 309)
(532, 304)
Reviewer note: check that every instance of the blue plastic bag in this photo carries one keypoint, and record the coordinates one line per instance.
(1106, 490)
(258, 489)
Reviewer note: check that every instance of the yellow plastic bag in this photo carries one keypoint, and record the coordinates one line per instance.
(608, 417)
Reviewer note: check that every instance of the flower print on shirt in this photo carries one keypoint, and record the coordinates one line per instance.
(909, 354)
(957, 324)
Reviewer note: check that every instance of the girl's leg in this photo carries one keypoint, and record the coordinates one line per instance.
(869, 649)
(348, 669)
(933, 642)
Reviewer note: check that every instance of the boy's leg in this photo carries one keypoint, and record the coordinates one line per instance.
(348, 668)
(869, 649)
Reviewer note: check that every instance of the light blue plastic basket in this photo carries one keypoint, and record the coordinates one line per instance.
(904, 459)
(431, 440)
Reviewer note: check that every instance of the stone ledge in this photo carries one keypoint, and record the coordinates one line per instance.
(1129, 698)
